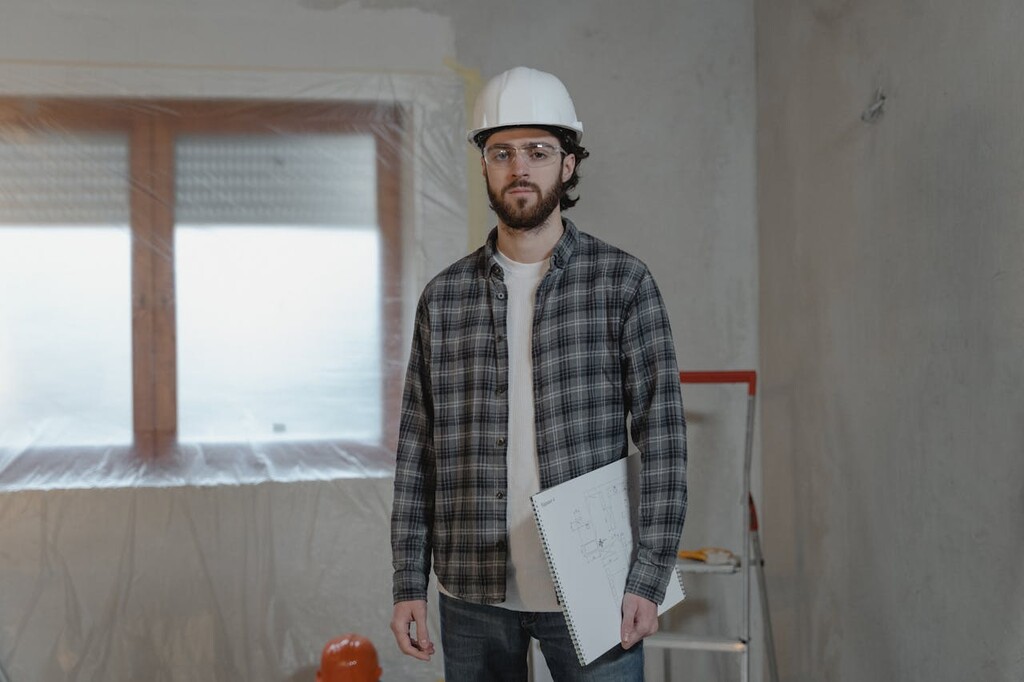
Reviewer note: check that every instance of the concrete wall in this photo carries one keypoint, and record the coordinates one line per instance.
(665, 89)
(892, 337)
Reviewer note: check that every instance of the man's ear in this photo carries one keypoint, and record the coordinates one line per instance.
(568, 166)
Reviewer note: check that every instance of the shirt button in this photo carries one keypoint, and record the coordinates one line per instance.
(501, 441)
(501, 296)
(500, 390)
(500, 545)
(500, 495)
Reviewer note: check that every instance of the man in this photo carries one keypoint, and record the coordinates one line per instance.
(527, 357)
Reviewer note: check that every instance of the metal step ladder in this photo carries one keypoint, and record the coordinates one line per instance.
(749, 559)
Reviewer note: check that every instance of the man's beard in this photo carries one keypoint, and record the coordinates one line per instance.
(514, 214)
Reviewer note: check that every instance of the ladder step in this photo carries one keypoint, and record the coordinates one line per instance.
(691, 566)
(669, 640)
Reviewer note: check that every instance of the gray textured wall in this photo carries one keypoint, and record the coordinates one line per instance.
(892, 337)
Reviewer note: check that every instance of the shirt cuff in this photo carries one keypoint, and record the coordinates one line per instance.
(648, 581)
(409, 585)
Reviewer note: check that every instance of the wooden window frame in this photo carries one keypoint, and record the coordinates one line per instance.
(152, 126)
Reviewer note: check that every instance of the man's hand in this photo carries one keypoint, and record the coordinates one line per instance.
(639, 619)
(418, 645)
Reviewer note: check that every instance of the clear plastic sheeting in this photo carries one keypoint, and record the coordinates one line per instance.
(205, 310)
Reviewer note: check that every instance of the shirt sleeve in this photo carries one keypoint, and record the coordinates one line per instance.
(412, 515)
(658, 430)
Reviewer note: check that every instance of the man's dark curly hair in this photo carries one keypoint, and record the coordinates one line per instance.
(567, 141)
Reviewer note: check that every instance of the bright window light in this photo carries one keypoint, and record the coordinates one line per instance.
(65, 336)
(279, 333)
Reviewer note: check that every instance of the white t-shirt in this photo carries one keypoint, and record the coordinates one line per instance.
(528, 580)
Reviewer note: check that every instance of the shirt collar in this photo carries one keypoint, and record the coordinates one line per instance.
(560, 255)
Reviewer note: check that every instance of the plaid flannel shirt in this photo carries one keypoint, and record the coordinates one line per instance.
(602, 349)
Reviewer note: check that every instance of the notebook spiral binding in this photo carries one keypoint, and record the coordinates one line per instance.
(558, 588)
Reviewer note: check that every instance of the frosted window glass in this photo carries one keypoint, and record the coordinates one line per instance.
(279, 333)
(53, 178)
(65, 336)
(299, 179)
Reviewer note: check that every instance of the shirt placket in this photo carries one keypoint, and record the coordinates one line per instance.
(499, 489)
(541, 322)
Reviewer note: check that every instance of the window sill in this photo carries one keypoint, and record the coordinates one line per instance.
(191, 464)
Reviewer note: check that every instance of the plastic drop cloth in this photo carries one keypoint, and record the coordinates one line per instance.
(206, 291)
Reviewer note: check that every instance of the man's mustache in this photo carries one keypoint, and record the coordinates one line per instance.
(520, 184)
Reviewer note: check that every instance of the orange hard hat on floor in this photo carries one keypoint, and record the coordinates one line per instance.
(349, 658)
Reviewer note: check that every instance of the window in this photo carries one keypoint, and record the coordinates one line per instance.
(198, 272)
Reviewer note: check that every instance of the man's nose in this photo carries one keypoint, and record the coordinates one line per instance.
(519, 166)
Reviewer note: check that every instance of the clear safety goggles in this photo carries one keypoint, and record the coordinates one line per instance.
(534, 155)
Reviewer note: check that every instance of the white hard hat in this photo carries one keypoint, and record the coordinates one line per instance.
(524, 97)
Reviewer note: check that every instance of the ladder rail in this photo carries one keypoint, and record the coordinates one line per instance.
(742, 644)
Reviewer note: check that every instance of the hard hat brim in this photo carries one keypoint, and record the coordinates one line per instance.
(576, 130)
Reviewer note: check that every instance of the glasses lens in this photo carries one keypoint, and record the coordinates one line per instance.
(499, 155)
(533, 155)
(539, 154)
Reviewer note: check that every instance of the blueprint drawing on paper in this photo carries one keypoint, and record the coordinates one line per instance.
(602, 530)
(586, 528)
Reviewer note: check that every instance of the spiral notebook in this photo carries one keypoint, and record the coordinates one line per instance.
(587, 527)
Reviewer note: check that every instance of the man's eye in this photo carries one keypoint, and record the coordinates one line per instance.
(501, 155)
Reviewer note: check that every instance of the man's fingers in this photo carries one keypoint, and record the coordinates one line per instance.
(639, 619)
(628, 623)
(406, 614)
(423, 642)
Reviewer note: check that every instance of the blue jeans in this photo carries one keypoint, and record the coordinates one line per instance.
(489, 644)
